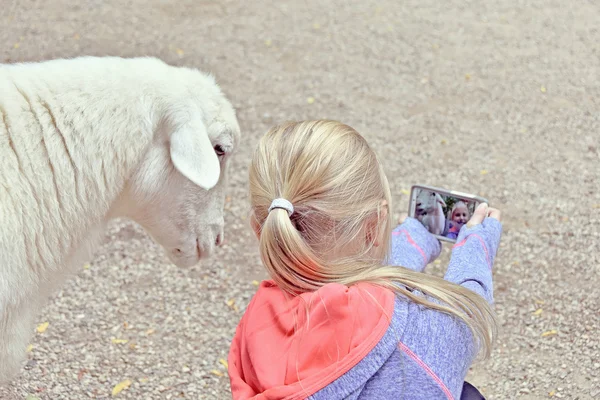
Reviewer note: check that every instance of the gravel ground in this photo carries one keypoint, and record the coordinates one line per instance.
(498, 98)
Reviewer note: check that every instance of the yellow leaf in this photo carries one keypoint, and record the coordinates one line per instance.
(543, 89)
(132, 346)
(539, 302)
(41, 328)
(29, 348)
(224, 363)
(467, 76)
(484, 172)
(538, 312)
(17, 45)
(230, 302)
(149, 332)
(405, 191)
(316, 26)
(550, 333)
(552, 393)
(437, 262)
(268, 42)
(255, 283)
(86, 266)
(119, 387)
(596, 205)
(119, 341)
(179, 52)
(310, 100)
(444, 141)
(216, 372)
(565, 219)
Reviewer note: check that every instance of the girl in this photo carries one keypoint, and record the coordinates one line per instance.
(335, 322)
(459, 216)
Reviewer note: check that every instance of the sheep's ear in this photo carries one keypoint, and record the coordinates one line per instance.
(194, 157)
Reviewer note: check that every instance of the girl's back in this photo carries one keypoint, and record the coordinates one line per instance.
(335, 322)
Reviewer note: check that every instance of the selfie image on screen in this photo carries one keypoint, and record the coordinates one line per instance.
(441, 214)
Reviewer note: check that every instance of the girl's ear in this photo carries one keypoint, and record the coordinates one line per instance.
(375, 226)
(255, 225)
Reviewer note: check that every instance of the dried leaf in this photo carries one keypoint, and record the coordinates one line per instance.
(596, 205)
(76, 36)
(216, 372)
(538, 312)
(119, 341)
(484, 172)
(119, 387)
(444, 141)
(81, 373)
(552, 393)
(543, 89)
(224, 363)
(41, 328)
(316, 26)
(467, 76)
(29, 348)
(133, 346)
(86, 266)
(179, 52)
(310, 100)
(539, 302)
(550, 333)
(149, 332)
(437, 262)
(17, 45)
(565, 219)
(405, 191)
(255, 283)
(268, 42)
(231, 304)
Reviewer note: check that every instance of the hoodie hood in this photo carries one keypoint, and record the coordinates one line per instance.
(289, 347)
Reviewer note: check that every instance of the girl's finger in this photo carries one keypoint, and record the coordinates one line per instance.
(479, 215)
(494, 213)
(402, 218)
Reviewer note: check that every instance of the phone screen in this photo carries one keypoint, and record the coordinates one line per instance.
(442, 213)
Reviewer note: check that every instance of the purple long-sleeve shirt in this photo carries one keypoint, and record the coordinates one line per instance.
(425, 354)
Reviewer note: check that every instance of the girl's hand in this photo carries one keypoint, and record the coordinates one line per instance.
(482, 212)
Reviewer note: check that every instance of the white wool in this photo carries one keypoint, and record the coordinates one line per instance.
(89, 139)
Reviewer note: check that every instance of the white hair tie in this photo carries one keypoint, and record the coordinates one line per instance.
(283, 204)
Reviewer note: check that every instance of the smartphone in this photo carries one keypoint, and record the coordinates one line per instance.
(442, 212)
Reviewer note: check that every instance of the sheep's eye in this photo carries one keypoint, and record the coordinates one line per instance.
(219, 150)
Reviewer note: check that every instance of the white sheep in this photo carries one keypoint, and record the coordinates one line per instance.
(86, 140)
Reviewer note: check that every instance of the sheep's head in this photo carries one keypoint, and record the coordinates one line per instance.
(178, 190)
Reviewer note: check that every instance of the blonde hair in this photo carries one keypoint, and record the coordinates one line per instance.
(338, 189)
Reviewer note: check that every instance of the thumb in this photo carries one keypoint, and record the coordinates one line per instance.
(402, 218)
(479, 215)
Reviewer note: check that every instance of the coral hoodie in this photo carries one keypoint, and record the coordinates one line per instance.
(363, 341)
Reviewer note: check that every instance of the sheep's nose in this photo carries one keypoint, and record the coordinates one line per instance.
(220, 239)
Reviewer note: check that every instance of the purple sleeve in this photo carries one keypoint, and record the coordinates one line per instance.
(413, 246)
(473, 257)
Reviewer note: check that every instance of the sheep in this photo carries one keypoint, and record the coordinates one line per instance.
(430, 211)
(90, 139)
